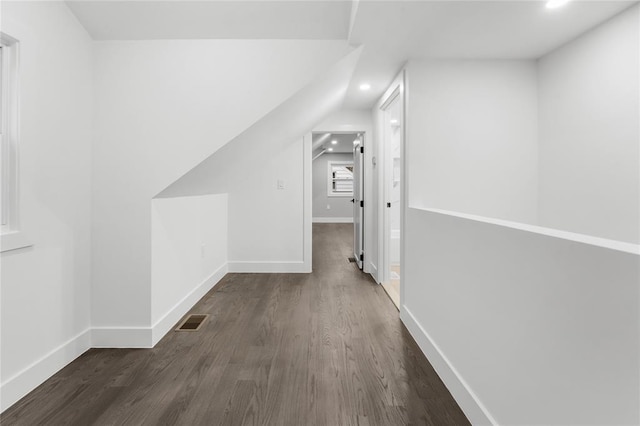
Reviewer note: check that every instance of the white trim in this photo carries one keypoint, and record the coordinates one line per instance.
(121, 337)
(9, 134)
(373, 271)
(307, 202)
(555, 233)
(148, 337)
(36, 373)
(333, 220)
(397, 90)
(13, 241)
(171, 318)
(367, 141)
(330, 192)
(319, 155)
(268, 267)
(468, 401)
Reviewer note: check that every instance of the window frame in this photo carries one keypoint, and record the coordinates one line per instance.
(11, 236)
(330, 179)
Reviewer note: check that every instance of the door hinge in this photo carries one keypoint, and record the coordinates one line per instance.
(388, 205)
(362, 150)
(361, 203)
(361, 257)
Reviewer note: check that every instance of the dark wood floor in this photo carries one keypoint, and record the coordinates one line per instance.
(325, 348)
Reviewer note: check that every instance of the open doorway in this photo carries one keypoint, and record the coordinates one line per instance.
(338, 184)
(392, 190)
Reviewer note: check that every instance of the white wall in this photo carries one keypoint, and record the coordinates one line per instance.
(540, 329)
(552, 142)
(45, 288)
(270, 228)
(540, 326)
(340, 207)
(266, 228)
(589, 132)
(472, 137)
(161, 108)
(188, 253)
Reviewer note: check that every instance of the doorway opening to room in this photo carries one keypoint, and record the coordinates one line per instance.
(392, 191)
(338, 186)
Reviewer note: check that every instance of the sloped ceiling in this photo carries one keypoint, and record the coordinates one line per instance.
(391, 31)
(237, 19)
(284, 125)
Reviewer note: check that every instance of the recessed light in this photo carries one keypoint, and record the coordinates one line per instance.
(554, 4)
(329, 149)
(333, 142)
(365, 86)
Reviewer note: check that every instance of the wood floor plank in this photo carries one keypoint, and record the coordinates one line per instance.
(325, 348)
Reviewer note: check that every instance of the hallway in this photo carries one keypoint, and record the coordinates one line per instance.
(325, 348)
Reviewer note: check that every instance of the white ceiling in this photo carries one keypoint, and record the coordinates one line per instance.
(394, 31)
(390, 31)
(344, 145)
(213, 19)
(475, 29)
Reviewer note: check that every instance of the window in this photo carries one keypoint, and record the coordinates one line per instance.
(340, 181)
(8, 132)
(11, 237)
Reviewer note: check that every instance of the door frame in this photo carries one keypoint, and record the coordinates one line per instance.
(397, 89)
(308, 160)
(359, 260)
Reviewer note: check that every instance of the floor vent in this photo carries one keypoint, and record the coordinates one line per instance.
(192, 323)
(352, 260)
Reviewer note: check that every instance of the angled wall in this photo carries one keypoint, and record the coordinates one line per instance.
(268, 225)
(160, 108)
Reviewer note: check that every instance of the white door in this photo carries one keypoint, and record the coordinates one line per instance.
(358, 202)
(392, 197)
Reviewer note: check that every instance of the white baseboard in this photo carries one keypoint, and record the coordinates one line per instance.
(35, 374)
(373, 271)
(147, 337)
(121, 337)
(169, 320)
(333, 220)
(269, 267)
(468, 401)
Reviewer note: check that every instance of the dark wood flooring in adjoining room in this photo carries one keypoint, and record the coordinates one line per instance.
(325, 348)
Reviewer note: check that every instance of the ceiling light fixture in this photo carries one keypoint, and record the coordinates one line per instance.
(356, 142)
(365, 86)
(330, 149)
(554, 4)
(333, 142)
(394, 121)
